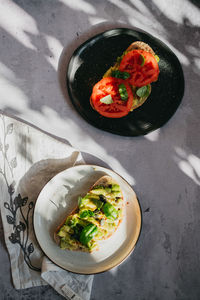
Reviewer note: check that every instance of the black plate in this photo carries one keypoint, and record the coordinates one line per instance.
(92, 59)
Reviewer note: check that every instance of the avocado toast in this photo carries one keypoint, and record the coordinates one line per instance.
(96, 217)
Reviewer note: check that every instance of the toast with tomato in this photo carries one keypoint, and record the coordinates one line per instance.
(126, 85)
(96, 217)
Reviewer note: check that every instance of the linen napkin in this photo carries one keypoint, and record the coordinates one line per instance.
(29, 158)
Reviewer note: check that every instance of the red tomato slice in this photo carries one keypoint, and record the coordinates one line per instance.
(141, 65)
(110, 86)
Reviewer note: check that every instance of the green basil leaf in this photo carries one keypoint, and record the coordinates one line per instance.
(120, 74)
(123, 92)
(107, 99)
(88, 233)
(86, 213)
(91, 213)
(143, 91)
(126, 75)
(110, 211)
(142, 60)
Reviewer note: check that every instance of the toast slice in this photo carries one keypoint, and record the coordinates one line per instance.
(138, 101)
(96, 217)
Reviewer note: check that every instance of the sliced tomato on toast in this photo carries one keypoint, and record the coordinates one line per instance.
(142, 67)
(110, 86)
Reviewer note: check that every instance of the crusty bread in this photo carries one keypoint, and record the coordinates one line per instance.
(104, 180)
(140, 46)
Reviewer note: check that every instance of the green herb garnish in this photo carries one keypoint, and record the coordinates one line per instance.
(142, 60)
(110, 211)
(143, 91)
(107, 99)
(123, 92)
(88, 233)
(119, 74)
(86, 214)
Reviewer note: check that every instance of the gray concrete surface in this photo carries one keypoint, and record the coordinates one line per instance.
(163, 167)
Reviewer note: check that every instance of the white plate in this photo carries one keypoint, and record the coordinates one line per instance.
(59, 197)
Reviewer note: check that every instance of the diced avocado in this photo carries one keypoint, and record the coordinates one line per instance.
(81, 222)
(62, 233)
(92, 202)
(92, 245)
(115, 188)
(68, 220)
(116, 194)
(108, 189)
(82, 201)
(64, 244)
(96, 187)
(88, 202)
(98, 203)
(76, 231)
(99, 191)
(93, 221)
(71, 221)
(66, 228)
(92, 196)
(92, 205)
(86, 213)
(100, 234)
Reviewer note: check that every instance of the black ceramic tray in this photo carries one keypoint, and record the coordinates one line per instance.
(91, 60)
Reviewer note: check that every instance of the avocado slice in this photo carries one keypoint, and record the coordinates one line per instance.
(62, 233)
(99, 191)
(88, 202)
(64, 244)
(115, 188)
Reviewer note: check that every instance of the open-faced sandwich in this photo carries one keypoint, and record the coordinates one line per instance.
(127, 84)
(96, 217)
